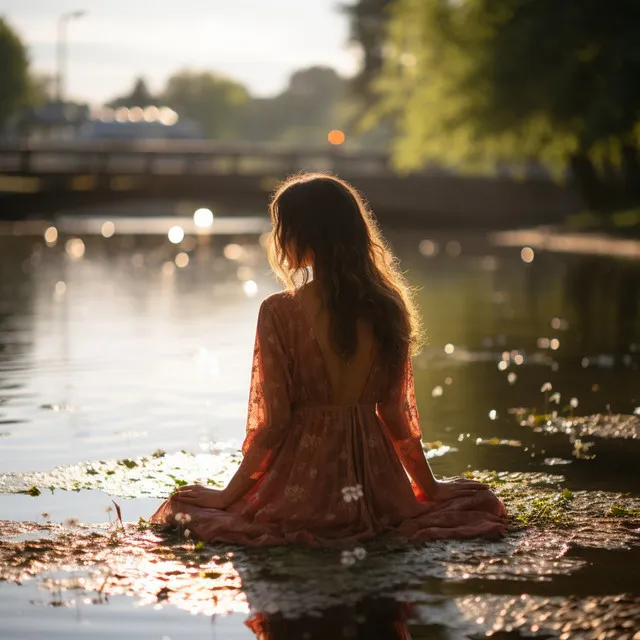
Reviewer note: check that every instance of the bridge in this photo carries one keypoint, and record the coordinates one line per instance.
(41, 179)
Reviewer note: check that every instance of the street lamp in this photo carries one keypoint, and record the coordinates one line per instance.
(63, 20)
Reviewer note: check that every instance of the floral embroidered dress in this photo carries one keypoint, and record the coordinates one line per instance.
(304, 448)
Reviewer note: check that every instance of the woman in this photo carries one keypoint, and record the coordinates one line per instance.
(333, 430)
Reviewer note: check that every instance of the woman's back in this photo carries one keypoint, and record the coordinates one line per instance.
(347, 379)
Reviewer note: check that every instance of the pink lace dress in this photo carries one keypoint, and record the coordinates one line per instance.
(328, 473)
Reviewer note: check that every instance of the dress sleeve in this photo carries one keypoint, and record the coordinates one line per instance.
(269, 412)
(399, 413)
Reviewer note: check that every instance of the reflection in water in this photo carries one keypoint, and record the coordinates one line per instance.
(115, 344)
(379, 619)
(113, 327)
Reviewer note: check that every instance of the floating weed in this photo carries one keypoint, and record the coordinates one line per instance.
(620, 511)
(494, 442)
(581, 449)
(32, 491)
(143, 524)
(545, 511)
(130, 464)
(150, 476)
(178, 482)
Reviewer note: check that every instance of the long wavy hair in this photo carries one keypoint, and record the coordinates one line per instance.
(322, 222)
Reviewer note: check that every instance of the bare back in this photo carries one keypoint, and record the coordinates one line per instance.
(348, 379)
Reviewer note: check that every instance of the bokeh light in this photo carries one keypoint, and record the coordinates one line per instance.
(74, 248)
(108, 229)
(233, 251)
(167, 116)
(527, 254)
(250, 288)
(336, 136)
(203, 217)
(60, 288)
(449, 349)
(182, 260)
(176, 234)
(51, 236)
(453, 248)
(428, 248)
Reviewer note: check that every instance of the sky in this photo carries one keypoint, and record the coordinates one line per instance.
(258, 42)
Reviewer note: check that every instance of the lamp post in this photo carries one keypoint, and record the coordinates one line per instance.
(61, 50)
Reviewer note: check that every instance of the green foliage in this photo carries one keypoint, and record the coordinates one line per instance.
(311, 105)
(511, 79)
(39, 90)
(139, 96)
(177, 482)
(367, 29)
(214, 101)
(14, 85)
(548, 510)
(33, 491)
(620, 511)
(130, 464)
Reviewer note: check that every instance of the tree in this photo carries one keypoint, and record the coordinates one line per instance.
(311, 105)
(474, 80)
(40, 89)
(139, 96)
(214, 101)
(13, 71)
(367, 21)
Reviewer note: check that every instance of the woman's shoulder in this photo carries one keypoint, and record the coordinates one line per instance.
(281, 300)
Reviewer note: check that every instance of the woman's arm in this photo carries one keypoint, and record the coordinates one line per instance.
(399, 413)
(268, 417)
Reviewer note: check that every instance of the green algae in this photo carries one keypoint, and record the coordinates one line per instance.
(155, 476)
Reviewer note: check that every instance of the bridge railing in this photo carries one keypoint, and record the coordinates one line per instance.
(182, 157)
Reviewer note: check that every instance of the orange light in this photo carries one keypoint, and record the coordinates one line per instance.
(336, 136)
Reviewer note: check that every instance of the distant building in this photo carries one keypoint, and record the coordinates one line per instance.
(69, 121)
(138, 123)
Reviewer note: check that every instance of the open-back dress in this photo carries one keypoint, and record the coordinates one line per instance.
(326, 443)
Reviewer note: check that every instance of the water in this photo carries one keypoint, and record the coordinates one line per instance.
(108, 350)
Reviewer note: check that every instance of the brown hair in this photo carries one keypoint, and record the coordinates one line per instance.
(322, 219)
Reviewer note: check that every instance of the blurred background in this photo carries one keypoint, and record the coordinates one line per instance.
(496, 141)
(428, 99)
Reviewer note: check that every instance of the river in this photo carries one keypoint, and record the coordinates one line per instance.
(116, 342)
